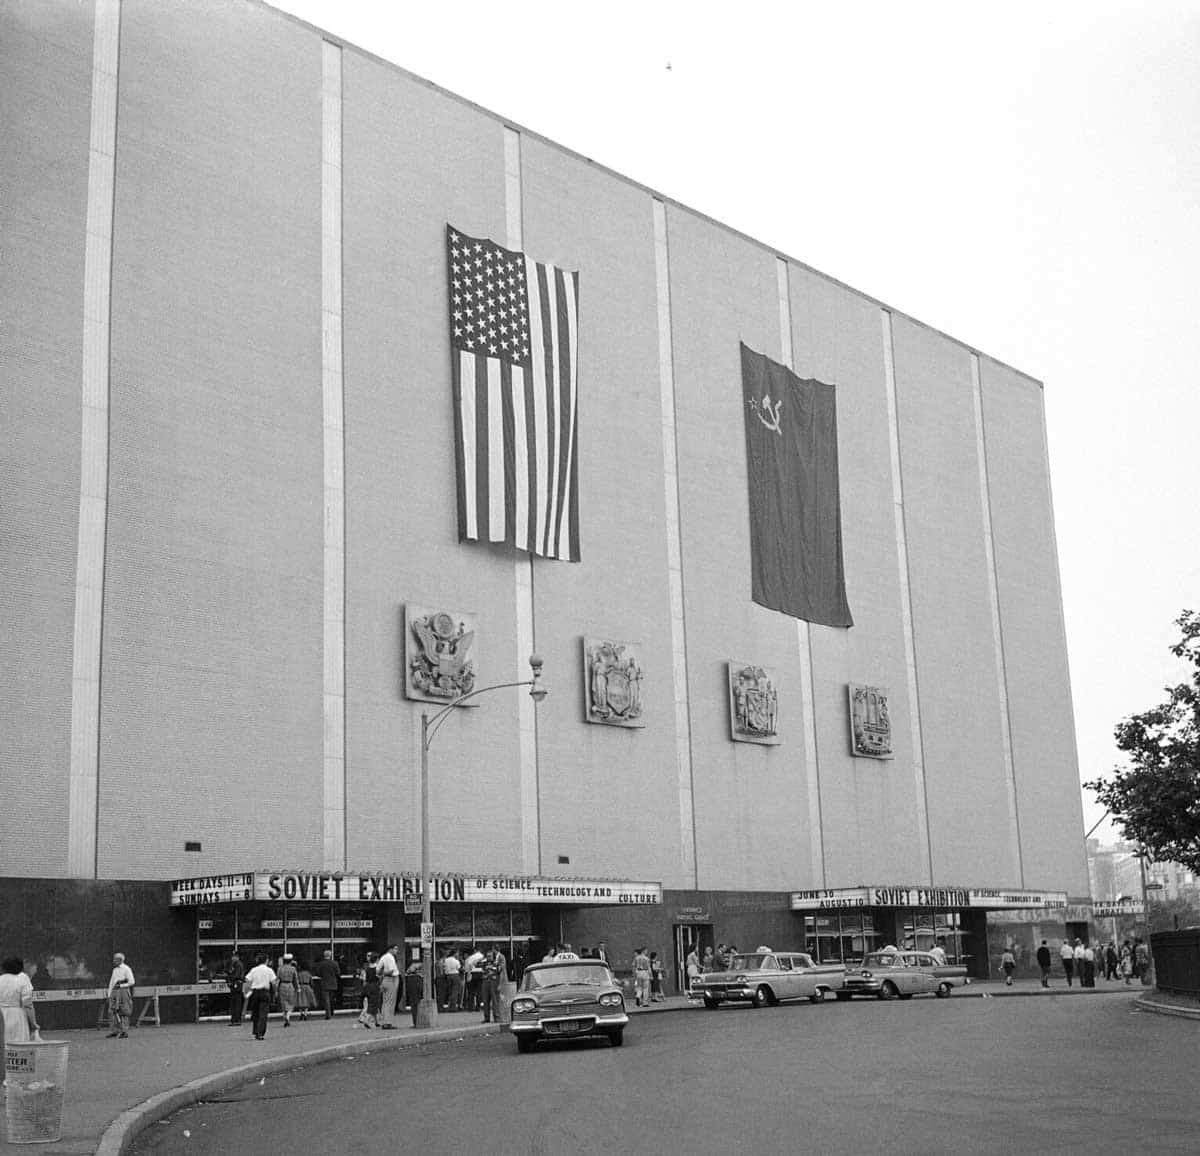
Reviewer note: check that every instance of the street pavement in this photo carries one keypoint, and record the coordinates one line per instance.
(115, 1087)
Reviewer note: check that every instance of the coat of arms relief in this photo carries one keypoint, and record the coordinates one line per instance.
(439, 656)
(753, 704)
(870, 722)
(613, 678)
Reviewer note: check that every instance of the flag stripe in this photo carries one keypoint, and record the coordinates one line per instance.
(464, 408)
(566, 379)
(537, 389)
(571, 547)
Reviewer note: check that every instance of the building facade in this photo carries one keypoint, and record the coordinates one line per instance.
(229, 476)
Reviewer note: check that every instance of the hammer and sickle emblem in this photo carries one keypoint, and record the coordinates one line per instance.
(767, 413)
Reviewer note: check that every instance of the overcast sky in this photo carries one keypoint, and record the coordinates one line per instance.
(1023, 176)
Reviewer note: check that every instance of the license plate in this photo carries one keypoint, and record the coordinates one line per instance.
(565, 1027)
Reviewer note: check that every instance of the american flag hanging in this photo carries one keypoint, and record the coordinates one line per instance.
(514, 343)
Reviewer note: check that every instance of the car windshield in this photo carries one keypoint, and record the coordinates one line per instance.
(590, 975)
(752, 962)
(884, 959)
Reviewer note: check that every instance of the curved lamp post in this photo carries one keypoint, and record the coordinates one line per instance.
(430, 725)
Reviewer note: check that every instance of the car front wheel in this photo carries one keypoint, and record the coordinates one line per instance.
(711, 1003)
(889, 990)
(943, 990)
(817, 996)
(762, 996)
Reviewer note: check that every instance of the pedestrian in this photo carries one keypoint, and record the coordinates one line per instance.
(1141, 959)
(641, 976)
(260, 985)
(16, 1003)
(938, 951)
(329, 976)
(389, 983)
(1043, 959)
(1079, 952)
(452, 967)
(729, 954)
(372, 992)
(473, 969)
(235, 976)
(1066, 954)
(120, 997)
(1089, 966)
(657, 974)
(706, 964)
(602, 952)
(495, 972)
(719, 959)
(288, 977)
(414, 987)
(1110, 961)
(307, 999)
(1008, 962)
(692, 966)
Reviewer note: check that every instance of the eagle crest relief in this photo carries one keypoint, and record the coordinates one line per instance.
(440, 665)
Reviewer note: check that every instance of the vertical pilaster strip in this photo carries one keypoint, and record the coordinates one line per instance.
(679, 666)
(332, 397)
(84, 786)
(1010, 780)
(920, 794)
(808, 705)
(531, 842)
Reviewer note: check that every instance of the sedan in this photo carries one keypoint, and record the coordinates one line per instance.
(901, 975)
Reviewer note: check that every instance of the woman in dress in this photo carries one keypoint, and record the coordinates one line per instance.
(656, 979)
(372, 992)
(289, 988)
(16, 1002)
(692, 966)
(308, 997)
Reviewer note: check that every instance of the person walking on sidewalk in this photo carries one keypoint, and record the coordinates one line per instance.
(235, 976)
(389, 983)
(261, 981)
(120, 997)
(1043, 959)
(414, 987)
(307, 999)
(372, 992)
(495, 972)
(1066, 954)
(288, 976)
(1008, 961)
(329, 976)
(657, 973)
(16, 1004)
(641, 976)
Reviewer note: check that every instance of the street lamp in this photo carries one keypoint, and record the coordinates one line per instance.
(427, 1007)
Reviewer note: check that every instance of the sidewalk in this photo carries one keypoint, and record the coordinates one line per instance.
(115, 1088)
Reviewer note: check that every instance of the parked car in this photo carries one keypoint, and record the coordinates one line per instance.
(761, 978)
(567, 999)
(901, 975)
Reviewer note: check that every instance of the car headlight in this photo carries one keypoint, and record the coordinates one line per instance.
(866, 975)
(611, 999)
(522, 1007)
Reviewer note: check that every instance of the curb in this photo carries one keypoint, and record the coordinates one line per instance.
(1147, 1004)
(134, 1121)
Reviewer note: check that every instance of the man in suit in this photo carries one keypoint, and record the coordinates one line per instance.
(329, 976)
(235, 974)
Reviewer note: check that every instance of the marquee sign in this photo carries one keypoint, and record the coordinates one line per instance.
(827, 898)
(1115, 908)
(337, 887)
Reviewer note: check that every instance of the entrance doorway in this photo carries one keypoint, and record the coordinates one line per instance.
(689, 937)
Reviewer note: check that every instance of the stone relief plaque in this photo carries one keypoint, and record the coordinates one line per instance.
(870, 722)
(439, 660)
(753, 704)
(612, 673)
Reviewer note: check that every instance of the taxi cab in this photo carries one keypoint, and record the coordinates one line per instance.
(567, 998)
(896, 974)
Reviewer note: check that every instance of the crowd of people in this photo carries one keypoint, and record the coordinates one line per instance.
(1083, 962)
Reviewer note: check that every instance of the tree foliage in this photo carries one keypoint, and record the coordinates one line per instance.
(1156, 798)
